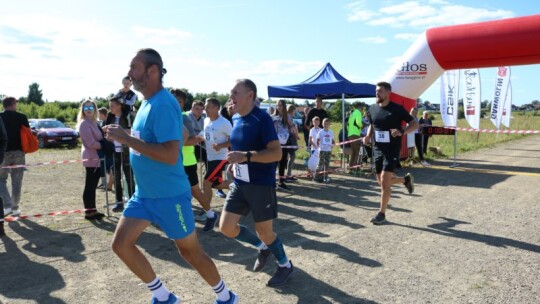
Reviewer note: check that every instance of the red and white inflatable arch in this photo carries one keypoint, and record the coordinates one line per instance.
(514, 41)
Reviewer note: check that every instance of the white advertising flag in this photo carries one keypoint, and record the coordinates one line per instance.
(501, 88)
(507, 109)
(471, 97)
(449, 98)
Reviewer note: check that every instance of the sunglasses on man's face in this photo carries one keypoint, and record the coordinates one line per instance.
(88, 108)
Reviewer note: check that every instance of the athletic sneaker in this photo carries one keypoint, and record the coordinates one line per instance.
(291, 179)
(425, 163)
(282, 186)
(118, 208)
(262, 257)
(173, 299)
(409, 183)
(232, 300)
(7, 211)
(210, 223)
(221, 194)
(378, 219)
(281, 276)
(201, 217)
(16, 212)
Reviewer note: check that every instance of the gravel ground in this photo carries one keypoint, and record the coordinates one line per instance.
(467, 235)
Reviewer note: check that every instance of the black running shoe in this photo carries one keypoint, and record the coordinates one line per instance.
(281, 276)
(409, 183)
(378, 219)
(118, 208)
(210, 223)
(282, 186)
(262, 257)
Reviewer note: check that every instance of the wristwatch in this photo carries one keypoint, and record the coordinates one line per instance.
(248, 156)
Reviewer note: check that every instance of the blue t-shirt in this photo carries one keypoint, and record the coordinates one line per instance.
(253, 132)
(158, 120)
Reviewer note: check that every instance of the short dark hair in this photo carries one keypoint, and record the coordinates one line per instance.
(250, 85)
(126, 78)
(151, 57)
(179, 94)
(9, 101)
(198, 103)
(357, 104)
(213, 101)
(385, 85)
(103, 111)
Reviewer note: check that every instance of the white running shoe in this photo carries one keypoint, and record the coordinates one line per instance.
(425, 163)
(16, 212)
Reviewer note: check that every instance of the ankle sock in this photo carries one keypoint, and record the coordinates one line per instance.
(210, 213)
(222, 292)
(158, 289)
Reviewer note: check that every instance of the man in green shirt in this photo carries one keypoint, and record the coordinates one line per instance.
(354, 128)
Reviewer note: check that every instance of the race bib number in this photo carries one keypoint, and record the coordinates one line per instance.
(137, 135)
(382, 136)
(209, 137)
(326, 143)
(241, 172)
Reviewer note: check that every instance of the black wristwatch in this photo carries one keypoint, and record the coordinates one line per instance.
(248, 156)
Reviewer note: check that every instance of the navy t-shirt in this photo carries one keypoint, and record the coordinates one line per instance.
(386, 118)
(253, 132)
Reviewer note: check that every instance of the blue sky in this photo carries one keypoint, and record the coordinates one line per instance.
(79, 49)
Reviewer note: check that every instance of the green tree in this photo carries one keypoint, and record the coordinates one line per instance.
(34, 94)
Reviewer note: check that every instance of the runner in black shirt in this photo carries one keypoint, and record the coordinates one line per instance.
(385, 128)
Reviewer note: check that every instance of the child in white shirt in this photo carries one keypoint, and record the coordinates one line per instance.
(325, 140)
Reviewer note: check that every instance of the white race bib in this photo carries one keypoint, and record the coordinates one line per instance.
(209, 137)
(137, 135)
(382, 136)
(241, 172)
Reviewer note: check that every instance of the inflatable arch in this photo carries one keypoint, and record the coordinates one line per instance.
(513, 41)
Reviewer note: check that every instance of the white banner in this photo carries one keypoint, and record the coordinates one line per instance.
(501, 88)
(471, 97)
(507, 109)
(449, 98)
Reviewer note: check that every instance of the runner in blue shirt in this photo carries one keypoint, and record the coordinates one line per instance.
(162, 194)
(255, 149)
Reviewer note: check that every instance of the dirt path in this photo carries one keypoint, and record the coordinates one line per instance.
(469, 235)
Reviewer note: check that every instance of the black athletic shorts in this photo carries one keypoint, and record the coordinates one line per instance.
(259, 199)
(191, 172)
(386, 158)
(214, 171)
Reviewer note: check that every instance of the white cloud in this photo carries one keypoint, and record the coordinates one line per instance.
(358, 12)
(160, 36)
(406, 36)
(374, 40)
(422, 14)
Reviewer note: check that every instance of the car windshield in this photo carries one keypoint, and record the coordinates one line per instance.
(48, 124)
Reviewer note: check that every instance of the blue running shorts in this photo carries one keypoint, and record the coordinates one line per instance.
(173, 215)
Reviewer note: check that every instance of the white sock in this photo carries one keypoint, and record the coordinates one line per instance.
(221, 290)
(210, 213)
(288, 264)
(158, 289)
(262, 246)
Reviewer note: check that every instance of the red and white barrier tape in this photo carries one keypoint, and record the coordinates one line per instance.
(61, 162)
(39, 215)
(336, 144)
(498, 131)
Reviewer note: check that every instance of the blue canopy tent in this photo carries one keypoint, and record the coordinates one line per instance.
(327, 83)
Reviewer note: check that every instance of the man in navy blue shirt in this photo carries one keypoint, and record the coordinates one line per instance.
(255, 149)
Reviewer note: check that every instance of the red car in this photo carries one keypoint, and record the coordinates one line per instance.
(51, 132)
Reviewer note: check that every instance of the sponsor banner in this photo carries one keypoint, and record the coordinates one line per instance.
(471, 91)
(449, 97)
(415, 71)
(507, 109)
(501, 88)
